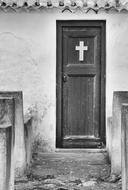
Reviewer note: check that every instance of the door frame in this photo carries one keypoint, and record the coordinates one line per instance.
(59, 101)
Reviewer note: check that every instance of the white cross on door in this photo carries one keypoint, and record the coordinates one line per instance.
(81, 48)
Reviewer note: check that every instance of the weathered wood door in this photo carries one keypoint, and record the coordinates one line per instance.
(80, 84)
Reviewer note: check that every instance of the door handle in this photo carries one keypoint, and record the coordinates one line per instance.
(65, 78)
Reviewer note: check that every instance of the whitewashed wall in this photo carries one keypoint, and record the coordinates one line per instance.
(28, 62)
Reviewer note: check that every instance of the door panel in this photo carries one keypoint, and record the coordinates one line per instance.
(80, 101)
(80, 70)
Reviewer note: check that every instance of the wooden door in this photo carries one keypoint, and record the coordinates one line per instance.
(80, 84)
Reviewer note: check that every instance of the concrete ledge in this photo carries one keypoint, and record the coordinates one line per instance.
(81, 150)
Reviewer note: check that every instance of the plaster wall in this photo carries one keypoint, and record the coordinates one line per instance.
(28, 63)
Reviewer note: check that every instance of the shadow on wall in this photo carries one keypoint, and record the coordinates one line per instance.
(34, 144)
(34, 141)
(109, 137)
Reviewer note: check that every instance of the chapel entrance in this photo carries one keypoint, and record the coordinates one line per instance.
(80, 84)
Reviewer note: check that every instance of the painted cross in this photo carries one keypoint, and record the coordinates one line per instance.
(81, 48)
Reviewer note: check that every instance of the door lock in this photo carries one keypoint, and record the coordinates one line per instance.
(65, 78)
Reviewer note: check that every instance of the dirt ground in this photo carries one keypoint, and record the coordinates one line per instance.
(69, 171)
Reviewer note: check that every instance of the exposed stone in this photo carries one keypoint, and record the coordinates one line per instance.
(89, 183)
(113, 178)
(53, 181)
(76, 181)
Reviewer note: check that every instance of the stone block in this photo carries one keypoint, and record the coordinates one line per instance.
(119, 98)
(124, 146)
(7, 144)
(19, 149)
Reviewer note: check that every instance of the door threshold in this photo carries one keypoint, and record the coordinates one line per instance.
(82, 150)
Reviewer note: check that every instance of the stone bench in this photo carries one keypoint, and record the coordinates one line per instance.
(119, 98)
(7, 143)
(19, 148)
(124, 146)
